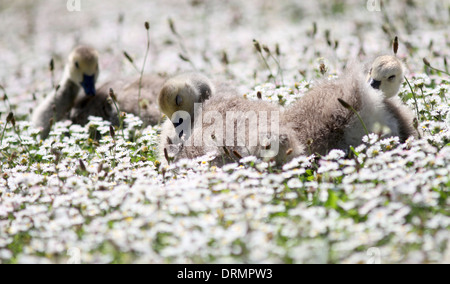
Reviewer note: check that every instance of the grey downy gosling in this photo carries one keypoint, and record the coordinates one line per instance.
(322, 123)
(181, 93)
(81, 72)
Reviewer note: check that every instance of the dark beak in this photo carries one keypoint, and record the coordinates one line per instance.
(88, 85)
(375, 84)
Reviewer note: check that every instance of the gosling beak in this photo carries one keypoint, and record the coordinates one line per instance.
(375, 84)
(88, 85)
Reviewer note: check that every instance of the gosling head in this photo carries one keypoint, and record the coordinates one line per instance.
(181, 93)
(387, 75)
(83, 68)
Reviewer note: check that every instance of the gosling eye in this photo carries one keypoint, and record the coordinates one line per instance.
(179, 100)
(77, 65)
(370, 72)
(391, 78)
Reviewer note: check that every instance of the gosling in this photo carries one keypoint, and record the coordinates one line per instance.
(182, 92)
(81, 72)
(322, 123)
(387, 75)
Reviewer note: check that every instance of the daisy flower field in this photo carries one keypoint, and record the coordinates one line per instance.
(73, 198)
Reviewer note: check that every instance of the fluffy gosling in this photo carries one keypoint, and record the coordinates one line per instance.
(81, 72)
(323, 123)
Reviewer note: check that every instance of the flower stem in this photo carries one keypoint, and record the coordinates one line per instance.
(349, 107)
(415, 98)
(142, 72)
(268, 67)
(427, 63)
(21, 142)
(113, 98)
(280, 70)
